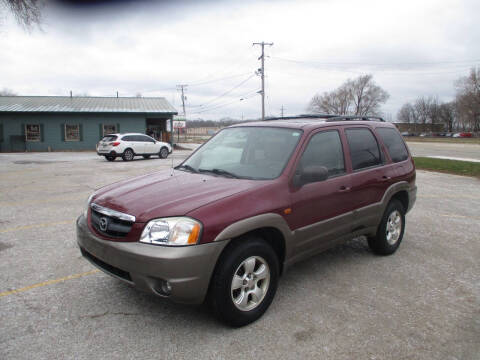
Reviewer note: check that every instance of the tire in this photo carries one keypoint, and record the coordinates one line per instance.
(163, 153)
(247, 270)
(128, 155)
(146, 156)
(110, 158)
(390, 231)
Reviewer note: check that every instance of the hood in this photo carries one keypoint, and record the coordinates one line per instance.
(161, 194)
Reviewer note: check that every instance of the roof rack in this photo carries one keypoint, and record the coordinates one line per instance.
(329, 117)
(302, 116)
(354, 117)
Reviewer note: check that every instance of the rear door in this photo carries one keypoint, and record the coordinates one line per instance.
(371, 175)
(321, 211)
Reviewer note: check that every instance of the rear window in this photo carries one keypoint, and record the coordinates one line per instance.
(109, 138)
(364, 149)
(394, 143)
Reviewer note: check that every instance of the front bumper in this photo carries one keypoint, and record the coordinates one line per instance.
(188, 269)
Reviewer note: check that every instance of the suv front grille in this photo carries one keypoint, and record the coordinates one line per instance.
(106, 222)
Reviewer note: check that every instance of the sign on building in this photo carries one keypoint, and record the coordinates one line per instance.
(179, 124)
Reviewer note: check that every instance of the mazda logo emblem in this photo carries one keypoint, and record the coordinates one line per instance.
(103, 224)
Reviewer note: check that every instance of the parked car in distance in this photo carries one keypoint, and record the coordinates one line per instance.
(406, 133)
(127, 146)
(247, 205)
(462, 135)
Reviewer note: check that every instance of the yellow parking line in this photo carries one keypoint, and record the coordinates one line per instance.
(32, 226)
(48, 282)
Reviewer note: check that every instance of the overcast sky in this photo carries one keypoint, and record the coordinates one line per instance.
(412, 48)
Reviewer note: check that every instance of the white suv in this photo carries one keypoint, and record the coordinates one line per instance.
(127, 146)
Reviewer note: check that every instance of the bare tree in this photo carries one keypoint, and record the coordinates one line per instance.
(26, 12)
(360, 96)
(366, 95)
(7, 92)
(468, 100)
(447, 114)
(407, 114)
(422, 109)
(334, 102)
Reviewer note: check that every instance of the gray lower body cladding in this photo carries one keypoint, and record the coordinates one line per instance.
(188, 269)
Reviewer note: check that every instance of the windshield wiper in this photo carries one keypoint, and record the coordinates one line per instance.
(187, 167)
(220, 172)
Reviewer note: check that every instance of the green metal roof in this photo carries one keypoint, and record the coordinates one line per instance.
(84, 104)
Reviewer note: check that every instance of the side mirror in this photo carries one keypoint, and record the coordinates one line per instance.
(310, 174)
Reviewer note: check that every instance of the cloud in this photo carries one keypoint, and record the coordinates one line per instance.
(412, 48)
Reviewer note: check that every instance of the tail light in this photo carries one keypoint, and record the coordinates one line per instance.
(116, 143)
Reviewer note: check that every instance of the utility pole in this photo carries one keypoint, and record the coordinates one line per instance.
(182, 89)
(281, 109)
(262, 73)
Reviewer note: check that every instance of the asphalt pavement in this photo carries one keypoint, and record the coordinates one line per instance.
(460, 151)
(421, 303)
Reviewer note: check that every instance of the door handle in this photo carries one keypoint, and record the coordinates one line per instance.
(343, 189)
(385, 178)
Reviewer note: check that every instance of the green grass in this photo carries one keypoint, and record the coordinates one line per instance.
(456, 167)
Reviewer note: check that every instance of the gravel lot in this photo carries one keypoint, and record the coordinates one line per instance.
(421, 303)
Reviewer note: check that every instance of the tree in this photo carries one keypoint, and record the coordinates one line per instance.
(360, 96)
(7, 92)
(447, 114)
(468, 100)
(26, 12)
(407, 114)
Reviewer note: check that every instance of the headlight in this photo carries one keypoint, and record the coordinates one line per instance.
(89, 200)
(174, 231)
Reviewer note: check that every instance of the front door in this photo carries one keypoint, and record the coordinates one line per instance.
(321, 211)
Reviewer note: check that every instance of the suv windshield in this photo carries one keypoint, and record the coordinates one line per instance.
(245, 152)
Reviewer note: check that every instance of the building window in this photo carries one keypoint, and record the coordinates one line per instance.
(32, 132)
(109, 129)
(72, 132)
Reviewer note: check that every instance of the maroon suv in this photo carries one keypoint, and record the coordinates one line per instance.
(253, 200)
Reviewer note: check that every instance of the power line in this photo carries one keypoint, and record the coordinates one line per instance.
(218, 106)
(378, 64)
(226, 92)
(217, 79)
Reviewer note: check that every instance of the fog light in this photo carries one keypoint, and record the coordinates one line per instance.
(165, 288)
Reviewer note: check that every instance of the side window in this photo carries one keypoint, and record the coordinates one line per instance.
(394, 143)
(109, 129)
(127, 138)
(325, 149)
(32, 132)
(364, 149)
(145, 138)
(72, 132)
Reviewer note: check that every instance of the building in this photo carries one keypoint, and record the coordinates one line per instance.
(56, 123)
